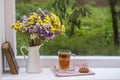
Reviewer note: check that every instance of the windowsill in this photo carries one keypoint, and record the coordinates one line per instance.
(91, 61)
(100, 74)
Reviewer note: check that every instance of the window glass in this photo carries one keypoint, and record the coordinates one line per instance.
(88, 23)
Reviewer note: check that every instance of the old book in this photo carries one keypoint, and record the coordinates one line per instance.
(10, 57)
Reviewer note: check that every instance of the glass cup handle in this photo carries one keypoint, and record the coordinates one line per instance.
(23, 52)
(74, 55)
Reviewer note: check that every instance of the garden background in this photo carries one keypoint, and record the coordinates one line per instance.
(88, 24)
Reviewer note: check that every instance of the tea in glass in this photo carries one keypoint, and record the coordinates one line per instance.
(64, 58)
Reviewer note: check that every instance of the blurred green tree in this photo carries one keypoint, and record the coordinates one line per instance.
(71, 13)
(115, 18)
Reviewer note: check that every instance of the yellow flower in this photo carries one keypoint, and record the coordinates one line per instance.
(46, 19)
(17, 26)
(52, 29)
(32, 19)
(30, 22)
(55, 20)
(62, 29)
(33, 16)
(39, 21)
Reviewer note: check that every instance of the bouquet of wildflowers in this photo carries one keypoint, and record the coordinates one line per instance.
(39, 26)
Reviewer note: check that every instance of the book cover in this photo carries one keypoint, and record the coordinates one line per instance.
(10, 57)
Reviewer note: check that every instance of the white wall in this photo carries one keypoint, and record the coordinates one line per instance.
(9, 10)
(2, 34)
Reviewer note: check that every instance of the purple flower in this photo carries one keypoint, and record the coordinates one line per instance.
(37, 28)
(38, 11)
(42, 16)
(46, 11)
(51, 35)
(21, 20)
(44, 33)
(30, 30)
(41, 31)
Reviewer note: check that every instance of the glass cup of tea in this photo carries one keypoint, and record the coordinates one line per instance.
(64, 59)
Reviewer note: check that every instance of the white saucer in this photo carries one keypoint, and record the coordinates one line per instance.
(71, 68)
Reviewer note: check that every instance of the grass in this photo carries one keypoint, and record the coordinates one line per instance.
(95, 36)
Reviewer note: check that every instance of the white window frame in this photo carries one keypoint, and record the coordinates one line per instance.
(48, 61)
(2, 38)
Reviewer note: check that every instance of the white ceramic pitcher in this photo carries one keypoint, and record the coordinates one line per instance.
(33, 63)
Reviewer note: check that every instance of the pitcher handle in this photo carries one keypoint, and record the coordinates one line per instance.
(23, 52)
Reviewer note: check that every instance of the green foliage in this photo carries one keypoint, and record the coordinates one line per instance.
(79, 45)
(94, 37)
(71, 13)
(25, 7)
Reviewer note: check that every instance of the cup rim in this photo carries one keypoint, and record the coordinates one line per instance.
(64, 50)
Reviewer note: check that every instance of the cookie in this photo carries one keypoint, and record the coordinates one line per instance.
(83, 70)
